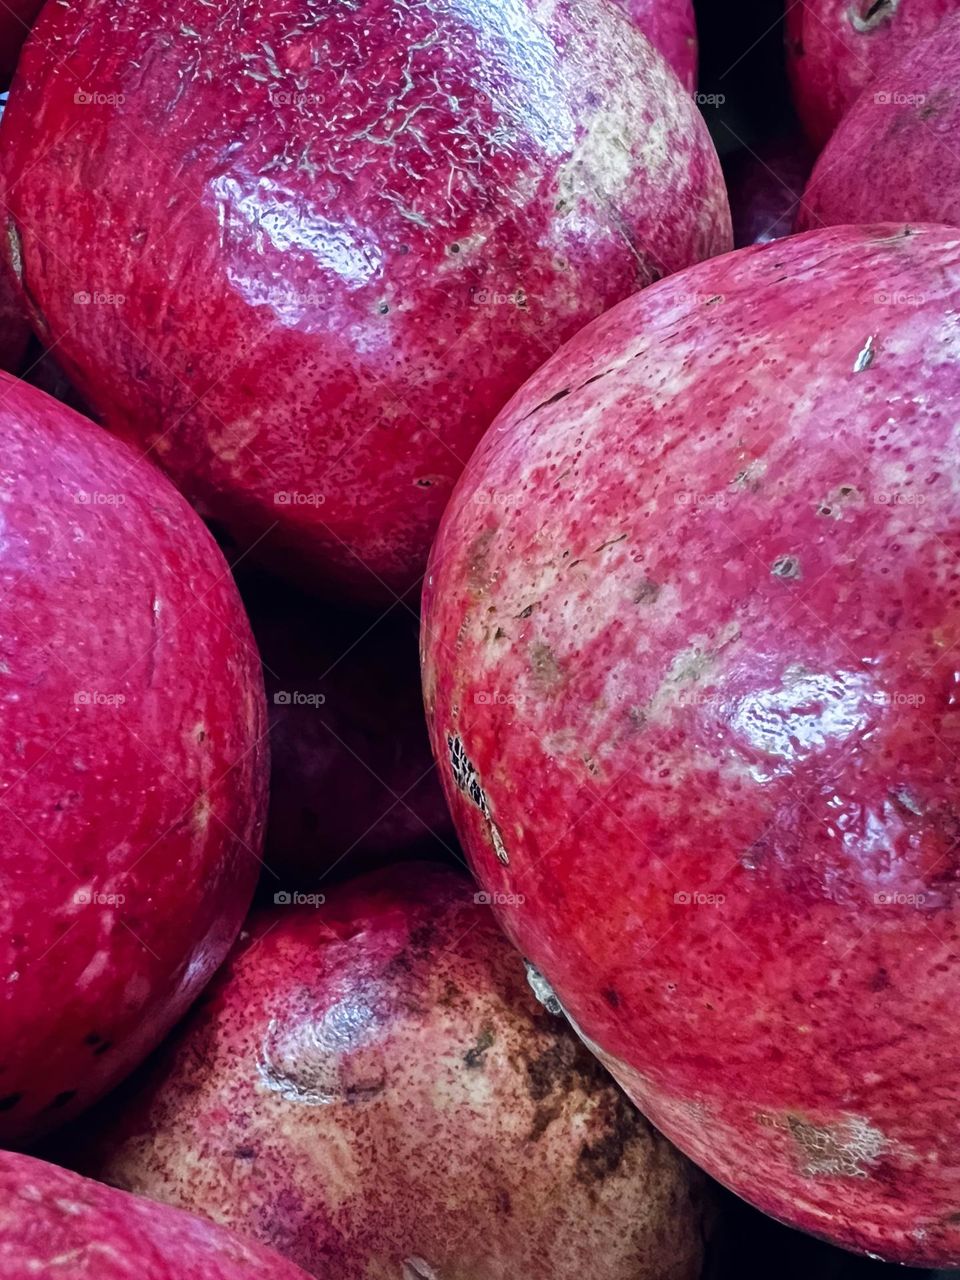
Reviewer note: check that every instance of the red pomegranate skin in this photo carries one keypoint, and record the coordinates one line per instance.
(835, 49)
(16, 19)
(894, 156)
(353, 778)
(765, 187)
(342, 238)
(370, 1087)
(14, 326)
(671, 27)
(692, 681)
(132, 760)
(55, 1223)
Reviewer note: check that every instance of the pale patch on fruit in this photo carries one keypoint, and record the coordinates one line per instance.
(417, 1269)
(227, 445)
(865, 356)
(542, 989)
(468, 781)
(16, 252)
(840, 1150)
(201, 815)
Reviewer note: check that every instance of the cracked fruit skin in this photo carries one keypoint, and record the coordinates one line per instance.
(132, 764)
(836, 48)
(53, 1222)
(691, 647)
(897, 158)
(371, 1087)
(343, 236)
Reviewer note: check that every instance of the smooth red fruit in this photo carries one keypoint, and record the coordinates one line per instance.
(342, 238)
(671, 27)
(55, 1223)
(765, 186)
(371, 1087)
(895, 153)
(132, 760)
(352, 775)
(16, 19)
(836, 48)
(717, 600)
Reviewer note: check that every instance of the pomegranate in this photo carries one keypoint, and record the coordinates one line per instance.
(132, 760)
(370, 1087)
(894, 156)
(307, 258)
(835, 48)
(690, 641)
(53, 1222)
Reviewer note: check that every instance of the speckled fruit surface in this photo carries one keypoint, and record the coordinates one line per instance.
(895, 153)
(693, 682)
(835, 48)
(765, 186)
(132, 760)
(332, 239)
(55, 1223)
(671, 27)
(353, 778)
(370, 1086)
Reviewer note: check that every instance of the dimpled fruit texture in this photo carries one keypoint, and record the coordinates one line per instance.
(55, 1223)
(691, 633)
(894, 155)
(332, 239)
(836, 48)
(373, 1089)
(132, 760)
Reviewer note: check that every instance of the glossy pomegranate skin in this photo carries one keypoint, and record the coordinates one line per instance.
(692, 681)
(16, 19)
(895, 154)
(371, 1087)
(835, 49)
(671, 27)
(343, 239)
(353, 779)
(765, 187)
(132, 760)
(53, 1222)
